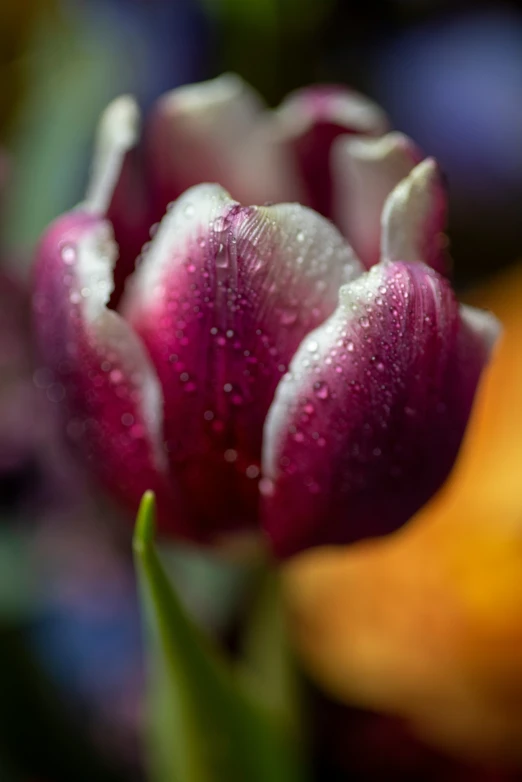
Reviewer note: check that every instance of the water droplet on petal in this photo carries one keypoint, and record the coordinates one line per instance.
(68, 253)
(221, 256)
(116, 376)
(56, 392)
(266, 487)
(321, 390)
(288, 317)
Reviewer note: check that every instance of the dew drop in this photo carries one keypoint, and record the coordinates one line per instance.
(56, 392)
(68, 253)
(43, 377)
(288, 317)
(116, 376)
(321, 390)
(300, 236)
(222, 256)
(266, 487)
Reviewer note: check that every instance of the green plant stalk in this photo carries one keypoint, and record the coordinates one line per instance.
(204, 726)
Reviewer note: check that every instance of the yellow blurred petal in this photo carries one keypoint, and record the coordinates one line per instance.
(427, 624)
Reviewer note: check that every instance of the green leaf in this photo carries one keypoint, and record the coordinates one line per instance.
(267, 664)
(203, 726)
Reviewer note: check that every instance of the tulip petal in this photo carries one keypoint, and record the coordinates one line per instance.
(216, 132)
(311, 119)
(117, 187)
(101, 373)
(222, 301)
(367, 423)
(414, 219)
(364, 172)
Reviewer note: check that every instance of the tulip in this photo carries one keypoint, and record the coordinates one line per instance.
(426, 624)
(255, 374)
(308, 150)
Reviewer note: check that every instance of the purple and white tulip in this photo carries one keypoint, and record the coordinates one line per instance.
(256, 375)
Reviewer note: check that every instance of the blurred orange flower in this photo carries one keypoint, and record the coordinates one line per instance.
(426, 624)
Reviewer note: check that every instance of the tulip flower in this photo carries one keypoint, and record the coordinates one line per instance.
(308, 150)
(426, 624)
(255, 375)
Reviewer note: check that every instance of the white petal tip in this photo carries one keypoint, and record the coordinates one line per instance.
(369, 148)
(120, 122)
(118, 131)
(484, 324)
(202, 96)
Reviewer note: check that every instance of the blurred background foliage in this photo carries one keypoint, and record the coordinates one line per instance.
(449, 73)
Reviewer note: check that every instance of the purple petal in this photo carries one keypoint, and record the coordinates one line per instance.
(222, 301)
(217, 131)
(132, 212)
(367, 424)
(414, 218)
(101, 373)
(117, 185)
(311, 119)
(364, 172)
